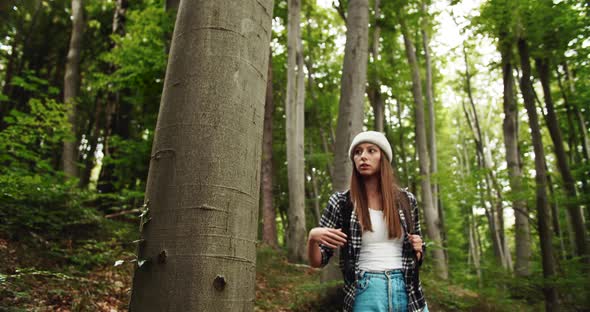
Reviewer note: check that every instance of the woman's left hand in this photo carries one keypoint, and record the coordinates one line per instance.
(416, 241)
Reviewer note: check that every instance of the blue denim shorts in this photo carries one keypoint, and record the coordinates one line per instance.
(381, 291)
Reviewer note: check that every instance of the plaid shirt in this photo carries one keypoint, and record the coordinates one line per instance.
(332, 218)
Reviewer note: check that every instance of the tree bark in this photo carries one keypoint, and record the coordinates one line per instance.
(431, 215)
(549, 268)
(569, 184)
(510, 128)
(72, 87)
(200, 220)
(269, 229)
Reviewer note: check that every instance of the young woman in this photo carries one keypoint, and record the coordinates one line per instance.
(376, 226)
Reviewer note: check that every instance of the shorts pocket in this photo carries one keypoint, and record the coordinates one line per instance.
(362, 284)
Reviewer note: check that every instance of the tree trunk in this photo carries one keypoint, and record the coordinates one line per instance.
(269, 230)
(430, 213)
(71, 88)
(474, 247)
(522, 234)
(296, 232)
(350, 111)
(199, 226)
(569, 184)
(549, 268)
(316, 196)
(374, 88)
(431, 136)
(352, 91)
(404, 163)
(554, 208)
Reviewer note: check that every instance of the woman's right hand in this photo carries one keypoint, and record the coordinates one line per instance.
(329, 237)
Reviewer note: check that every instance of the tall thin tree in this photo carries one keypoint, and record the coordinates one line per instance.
(510, 128)
(431, 214)
(352, 90)
(72, 86)
(269, 223)
(374, 86)
(198, 249)
(545, 235)
(295, 108)
(352, 94)
(431, 134)
(569, 184)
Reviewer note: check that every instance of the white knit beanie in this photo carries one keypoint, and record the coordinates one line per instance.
(374, 137)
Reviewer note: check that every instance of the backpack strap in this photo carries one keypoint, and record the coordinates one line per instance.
(346, 250)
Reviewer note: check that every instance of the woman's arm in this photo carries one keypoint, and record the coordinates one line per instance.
(324, 238)
(331, 238)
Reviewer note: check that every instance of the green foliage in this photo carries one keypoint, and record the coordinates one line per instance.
(35, 196)
(138, 56)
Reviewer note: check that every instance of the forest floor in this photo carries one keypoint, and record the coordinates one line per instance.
(32, 278)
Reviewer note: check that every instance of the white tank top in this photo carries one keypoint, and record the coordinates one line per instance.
(378, 252)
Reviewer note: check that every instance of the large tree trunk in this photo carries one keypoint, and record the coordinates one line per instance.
(431, 215)
(522, 234)
(269, 216)
(549, 268)
(569, 185)
(71, 88)
(296, 231)
(201, 206)
(352, 90)
(350, 111)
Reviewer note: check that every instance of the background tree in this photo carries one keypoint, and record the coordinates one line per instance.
(294, 109)
(269, 226)
(431, 214)
(352, 90)
(72, 85)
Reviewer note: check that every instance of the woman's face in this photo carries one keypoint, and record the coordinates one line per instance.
(367, 159)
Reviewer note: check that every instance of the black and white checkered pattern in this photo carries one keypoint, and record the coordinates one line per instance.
(332, 218)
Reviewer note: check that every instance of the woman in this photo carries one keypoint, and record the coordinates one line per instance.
(375, 224)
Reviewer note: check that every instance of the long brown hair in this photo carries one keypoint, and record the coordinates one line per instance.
(391, 197)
